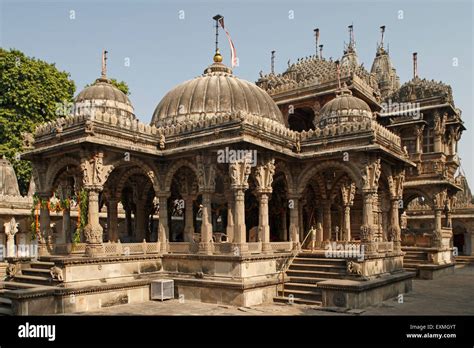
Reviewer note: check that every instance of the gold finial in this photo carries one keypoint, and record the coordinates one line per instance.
(217, 57)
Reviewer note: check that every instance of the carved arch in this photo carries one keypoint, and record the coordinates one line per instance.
(174, 168)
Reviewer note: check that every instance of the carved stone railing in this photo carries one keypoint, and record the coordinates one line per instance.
(179, 247)
(282, 246)
(383, 247)
(255, 247)
(121, 122)
(352, 128)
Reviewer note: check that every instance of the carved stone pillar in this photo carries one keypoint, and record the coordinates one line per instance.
(66, 236)
(264, 178)
(112, 219)
(239, 173)
(206, 182)
(419, 138)
(263, 226)
(93, 231)
(10, 228)
(285, 230)
(205, 246)
(295, 227)
(348, 190)
(327, 225)
(230, 218)
(394, 229)
(347, 223)
(188, 218)
(140, 219)
(439, 129)
(367, 228)
(45, 223)
(439, 201)
(163, 229)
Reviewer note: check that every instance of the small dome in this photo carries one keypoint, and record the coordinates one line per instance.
(217, 91)
(345, 108)
(103, 94)
(8, 180)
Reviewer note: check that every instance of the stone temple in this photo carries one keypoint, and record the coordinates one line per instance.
(325, 184)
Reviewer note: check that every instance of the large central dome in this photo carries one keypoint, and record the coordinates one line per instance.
(216, 92)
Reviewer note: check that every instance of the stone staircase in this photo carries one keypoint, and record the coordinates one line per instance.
(464, 260)
(34, 275)
(413, 258)
(304, 274)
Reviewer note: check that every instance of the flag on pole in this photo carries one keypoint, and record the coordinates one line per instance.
(233, 53)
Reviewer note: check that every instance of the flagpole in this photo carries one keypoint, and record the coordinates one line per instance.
(217, 18)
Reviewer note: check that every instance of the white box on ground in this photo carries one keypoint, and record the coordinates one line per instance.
(162, 289)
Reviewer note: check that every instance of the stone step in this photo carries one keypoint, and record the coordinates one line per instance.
(43, 272)
(11, 285)
(306, 280)
(303, 294)
(42, 264)
(6, 310)
(281, 299)
(318, 267)
(302, 286)
(34, 280)
(319, 261)
(315, 274)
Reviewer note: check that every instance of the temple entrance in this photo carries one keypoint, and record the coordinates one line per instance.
(459, 239)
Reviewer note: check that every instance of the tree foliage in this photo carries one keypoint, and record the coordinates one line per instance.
(30, 91)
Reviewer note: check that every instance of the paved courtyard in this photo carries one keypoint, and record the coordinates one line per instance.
(449, 295)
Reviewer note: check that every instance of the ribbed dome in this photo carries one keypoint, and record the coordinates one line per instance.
(345, 108)
(216, 92)
(103, 94)
(8, 180)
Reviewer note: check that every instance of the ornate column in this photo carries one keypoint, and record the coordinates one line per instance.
(206, 182)
(327, 225)
(239, 172)
(419, 138)
(439, 130)
(264, 178)
(370, 176)
(66, 221)
(112, 218)
(230, 218)
(140, 218)
(163, 229)
(205, 246)
(188, 218)
(396, 182)
(439, 200)
(45, 223)
(294, 207)
(348, 190)
(11, 228)
(93, 231)
(394, 229)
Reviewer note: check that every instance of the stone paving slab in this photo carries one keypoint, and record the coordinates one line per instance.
(448, 295)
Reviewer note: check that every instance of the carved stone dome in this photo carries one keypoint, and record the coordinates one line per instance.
(345, 108)
(8, 180)
(216, 92)
(104, 95)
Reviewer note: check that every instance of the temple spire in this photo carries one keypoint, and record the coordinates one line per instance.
(415, 65)
(382, 30)
(104, 64)
(316, 35)
(351, 37)
(273, 62)
(217, 54)
(338, 66)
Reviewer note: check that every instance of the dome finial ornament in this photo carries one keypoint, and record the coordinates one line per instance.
(217, 55)
(103, 74)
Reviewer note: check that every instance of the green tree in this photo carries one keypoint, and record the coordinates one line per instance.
(30, 92)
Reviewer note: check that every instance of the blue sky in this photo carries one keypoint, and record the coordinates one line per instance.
(164, 49)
